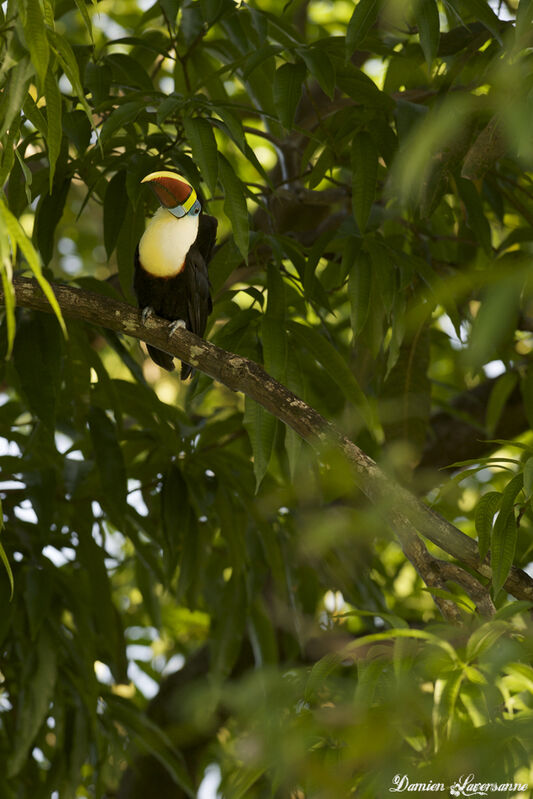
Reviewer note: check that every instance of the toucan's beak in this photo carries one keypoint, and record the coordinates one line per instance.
(174, 193)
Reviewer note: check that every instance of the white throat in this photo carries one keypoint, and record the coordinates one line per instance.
(165, 243)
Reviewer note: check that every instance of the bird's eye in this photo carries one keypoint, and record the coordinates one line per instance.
(197, 211)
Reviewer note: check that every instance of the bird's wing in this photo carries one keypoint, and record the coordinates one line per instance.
(199, 304)
(207, 233)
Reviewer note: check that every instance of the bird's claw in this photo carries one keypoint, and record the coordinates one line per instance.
(173, 327)
(147, 312)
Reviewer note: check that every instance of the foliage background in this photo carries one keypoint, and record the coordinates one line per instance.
(370, 168)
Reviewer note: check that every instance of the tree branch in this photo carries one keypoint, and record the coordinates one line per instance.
(406, 514)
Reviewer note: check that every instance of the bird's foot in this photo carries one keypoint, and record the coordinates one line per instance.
(173, 327)
(147, 312)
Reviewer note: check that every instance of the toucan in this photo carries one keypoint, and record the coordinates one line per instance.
(171, 278)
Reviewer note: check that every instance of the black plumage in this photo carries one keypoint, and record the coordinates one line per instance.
(185, 295)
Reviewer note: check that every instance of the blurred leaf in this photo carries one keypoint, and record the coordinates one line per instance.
(40, 675)
(261, 428)
(336, 367)
(150, 738)
(362, 19)
(528, 478)
(109, 462)
(364, 170)
(78, 129)
(127, 241)
(288, 83)
(9, 300)
(37, 356)
(407, 392)
(359, 283)
(82, 8)
(204, 148)
(499, 395)
(226, 639)
(4, 558)
(128, 72)
(495, 321)
(427, 20)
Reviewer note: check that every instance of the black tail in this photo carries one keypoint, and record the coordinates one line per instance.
(162, 359)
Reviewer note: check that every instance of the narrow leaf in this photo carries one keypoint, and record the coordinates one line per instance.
(204, 148)
(364, 176)
(109, 461)
(427, 20)
(53, 116)
(528, 478)
(115, 207)
(261, 428)
(484, 516)
(4, 558)
(359, 285)
(36, 41)
(321, 67)
(336, 367)
(499, 395)
(362, 19)
(288, 82)
(235, 204)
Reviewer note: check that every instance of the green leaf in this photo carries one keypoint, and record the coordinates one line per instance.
(526, 388)
(19, 238)
(235, 204)
(120, 117)
(204, 148)
(115, 207)
(320, 672)
(320, 66)
(37, 355)
(479, 10)
(47, 217)
(261, 428)
(53, 117)
(82, 8)
(128, 72)
(69, 65)
(495, 322)
(288, 82)
(4, 558)
(275, 347)
(6, 272)
(499, 395)
(364, 176)
(476, 219)
(427, 20)
(503, 546)
(151, 739)
(228, 627)
(336, 367)
(362, 19)
(484, 515)
(359, 285)
(505, 534)
(36, 40)
(528, 478)
(98, 81)
(407, 392)
(40, 674)
(14, 93)
(128, 238)
(109, 463)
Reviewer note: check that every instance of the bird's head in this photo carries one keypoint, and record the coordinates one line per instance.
(174, 193)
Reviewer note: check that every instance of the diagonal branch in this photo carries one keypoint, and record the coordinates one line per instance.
(406, 514)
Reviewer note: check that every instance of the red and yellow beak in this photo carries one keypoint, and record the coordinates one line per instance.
(174, 192)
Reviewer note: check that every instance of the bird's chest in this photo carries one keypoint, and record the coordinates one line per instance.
(165, 244)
